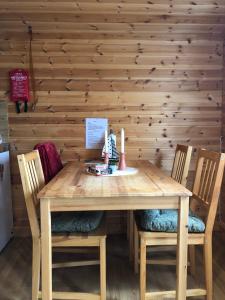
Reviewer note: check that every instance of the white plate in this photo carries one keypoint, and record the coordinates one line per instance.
(127, 171)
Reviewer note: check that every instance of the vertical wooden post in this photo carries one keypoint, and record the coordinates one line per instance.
(142, 269)
(182, 248)
(36, 267)
(103, 269)
(208, 267)
(46, 248)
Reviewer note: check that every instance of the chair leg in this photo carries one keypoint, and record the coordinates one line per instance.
(103, 269)
(142, 269)
(208, 268)
(136, 248)
(36, 268)
(191, 249)
(131, 235)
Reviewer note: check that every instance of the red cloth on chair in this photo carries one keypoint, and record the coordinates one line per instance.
(50, 160)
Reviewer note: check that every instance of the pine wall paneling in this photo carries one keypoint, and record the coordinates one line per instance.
(152, 67)
(222, 196)
(3, 121)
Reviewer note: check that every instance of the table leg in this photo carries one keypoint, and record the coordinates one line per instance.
(46, 248)
(182, 247)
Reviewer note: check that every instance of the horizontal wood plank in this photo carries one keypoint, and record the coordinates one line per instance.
(152, 67)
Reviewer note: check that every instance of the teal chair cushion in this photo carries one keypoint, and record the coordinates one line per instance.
(70, 222)
(165, 220)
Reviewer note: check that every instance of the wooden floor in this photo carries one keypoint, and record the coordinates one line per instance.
(122, 283)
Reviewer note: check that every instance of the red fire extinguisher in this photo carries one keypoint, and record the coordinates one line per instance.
(19, 84)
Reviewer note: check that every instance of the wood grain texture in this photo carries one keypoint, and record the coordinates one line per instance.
(206, 191)
(73, 182)
(122, 283)
(4, 121)
(222, 200)
(73, 189)
(33, 180)
(152, 67)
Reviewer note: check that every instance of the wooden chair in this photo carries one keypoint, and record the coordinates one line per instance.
(179, 172)
(181, 164)
(32, 181)
(206, 190)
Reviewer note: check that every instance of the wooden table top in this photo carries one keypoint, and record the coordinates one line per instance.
(73, 182)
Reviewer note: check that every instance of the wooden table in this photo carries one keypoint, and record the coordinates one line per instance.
(74, 190)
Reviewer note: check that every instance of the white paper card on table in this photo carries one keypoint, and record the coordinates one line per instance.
(95, 132)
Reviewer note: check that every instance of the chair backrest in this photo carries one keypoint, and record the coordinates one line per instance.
(32, 178)
(207, 184)
(181, 164)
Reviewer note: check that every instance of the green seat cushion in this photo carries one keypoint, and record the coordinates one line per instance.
(165, 220)
(70, 222)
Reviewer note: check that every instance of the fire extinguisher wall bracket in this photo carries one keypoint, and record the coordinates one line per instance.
(25, 106)
(18, 107)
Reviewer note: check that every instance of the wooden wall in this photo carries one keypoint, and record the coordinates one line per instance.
(3, 121)
(153, 67)
(222, 196)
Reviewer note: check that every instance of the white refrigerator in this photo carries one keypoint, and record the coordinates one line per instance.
(6, 215)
